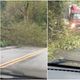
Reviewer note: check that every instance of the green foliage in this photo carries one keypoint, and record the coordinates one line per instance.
(60, 38)
(76, 2)
(56, 10)
(4, 43)
(68, 40)
(24, 10)
(29, 34)
(2, 5)
(23, 23)
(40, 14)
(26, 34)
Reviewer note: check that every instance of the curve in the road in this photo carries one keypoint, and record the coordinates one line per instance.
(27, 56)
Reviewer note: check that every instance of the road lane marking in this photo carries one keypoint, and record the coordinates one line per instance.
(27, 56)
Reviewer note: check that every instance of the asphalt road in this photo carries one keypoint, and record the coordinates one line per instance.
(29, 61)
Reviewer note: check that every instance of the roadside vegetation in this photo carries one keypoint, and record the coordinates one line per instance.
(60, 37)
(23, 23)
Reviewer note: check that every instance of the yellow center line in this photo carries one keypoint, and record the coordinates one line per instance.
(27, 56)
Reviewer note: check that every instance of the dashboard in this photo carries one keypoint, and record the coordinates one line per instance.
(63, 73)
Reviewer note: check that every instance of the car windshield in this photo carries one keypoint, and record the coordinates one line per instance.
(23, 39)
(67, 58)
(63, 41)
(76, 16)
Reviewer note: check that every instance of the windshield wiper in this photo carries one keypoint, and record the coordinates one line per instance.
(62, 62)
(59, 61)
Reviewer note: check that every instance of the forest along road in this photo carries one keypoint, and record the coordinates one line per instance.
(30, 61)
